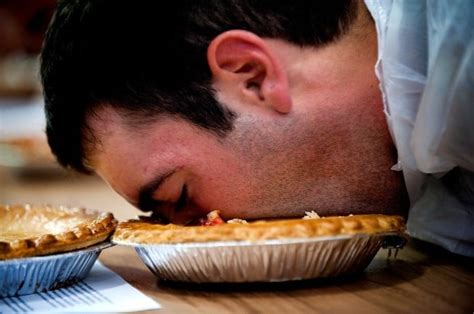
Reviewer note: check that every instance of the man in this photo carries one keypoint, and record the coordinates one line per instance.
(256, 108)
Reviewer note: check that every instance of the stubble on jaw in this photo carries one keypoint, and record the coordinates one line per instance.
(281, 164)
(295, 168)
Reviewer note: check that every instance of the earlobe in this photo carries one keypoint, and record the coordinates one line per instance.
(242, 64)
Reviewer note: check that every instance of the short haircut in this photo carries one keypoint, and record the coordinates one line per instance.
(148, 58)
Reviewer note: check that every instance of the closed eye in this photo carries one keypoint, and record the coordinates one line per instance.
(146, 200)
(183, 199)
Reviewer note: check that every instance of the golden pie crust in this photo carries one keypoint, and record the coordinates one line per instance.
(144, 232)
(27, 230)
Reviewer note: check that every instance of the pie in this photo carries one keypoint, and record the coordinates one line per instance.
(27, 151)
(27, 230)
(148, 232)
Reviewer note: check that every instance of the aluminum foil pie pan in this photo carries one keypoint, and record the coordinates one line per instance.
(266, 260)
(41, 273)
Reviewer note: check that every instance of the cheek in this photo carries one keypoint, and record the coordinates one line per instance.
(222, 185)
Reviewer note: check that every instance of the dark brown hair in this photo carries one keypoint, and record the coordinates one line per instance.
(148, 58)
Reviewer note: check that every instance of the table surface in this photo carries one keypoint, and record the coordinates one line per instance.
(423, 278)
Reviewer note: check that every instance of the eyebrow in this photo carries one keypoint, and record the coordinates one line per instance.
(146, 202)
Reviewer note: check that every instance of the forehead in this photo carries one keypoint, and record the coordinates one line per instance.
(111, 136)
(116, 134)
(127, 154)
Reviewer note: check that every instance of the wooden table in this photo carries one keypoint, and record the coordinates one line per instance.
(423, 278)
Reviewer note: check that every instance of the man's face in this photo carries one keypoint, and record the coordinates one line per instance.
(331, 153)
(339, 166)
(172, 168)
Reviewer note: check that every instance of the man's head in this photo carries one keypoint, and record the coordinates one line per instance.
(256, 108)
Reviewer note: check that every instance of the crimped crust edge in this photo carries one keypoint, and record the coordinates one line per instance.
(140, 232)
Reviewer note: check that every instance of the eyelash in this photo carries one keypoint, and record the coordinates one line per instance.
(183, 198)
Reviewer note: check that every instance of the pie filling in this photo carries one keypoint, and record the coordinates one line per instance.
(213, 219)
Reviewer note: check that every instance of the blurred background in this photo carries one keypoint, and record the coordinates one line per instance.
(28, 171)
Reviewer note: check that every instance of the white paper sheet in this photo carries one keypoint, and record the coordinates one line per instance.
(102, 291)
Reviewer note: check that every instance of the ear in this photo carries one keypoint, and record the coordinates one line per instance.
(242, 64)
